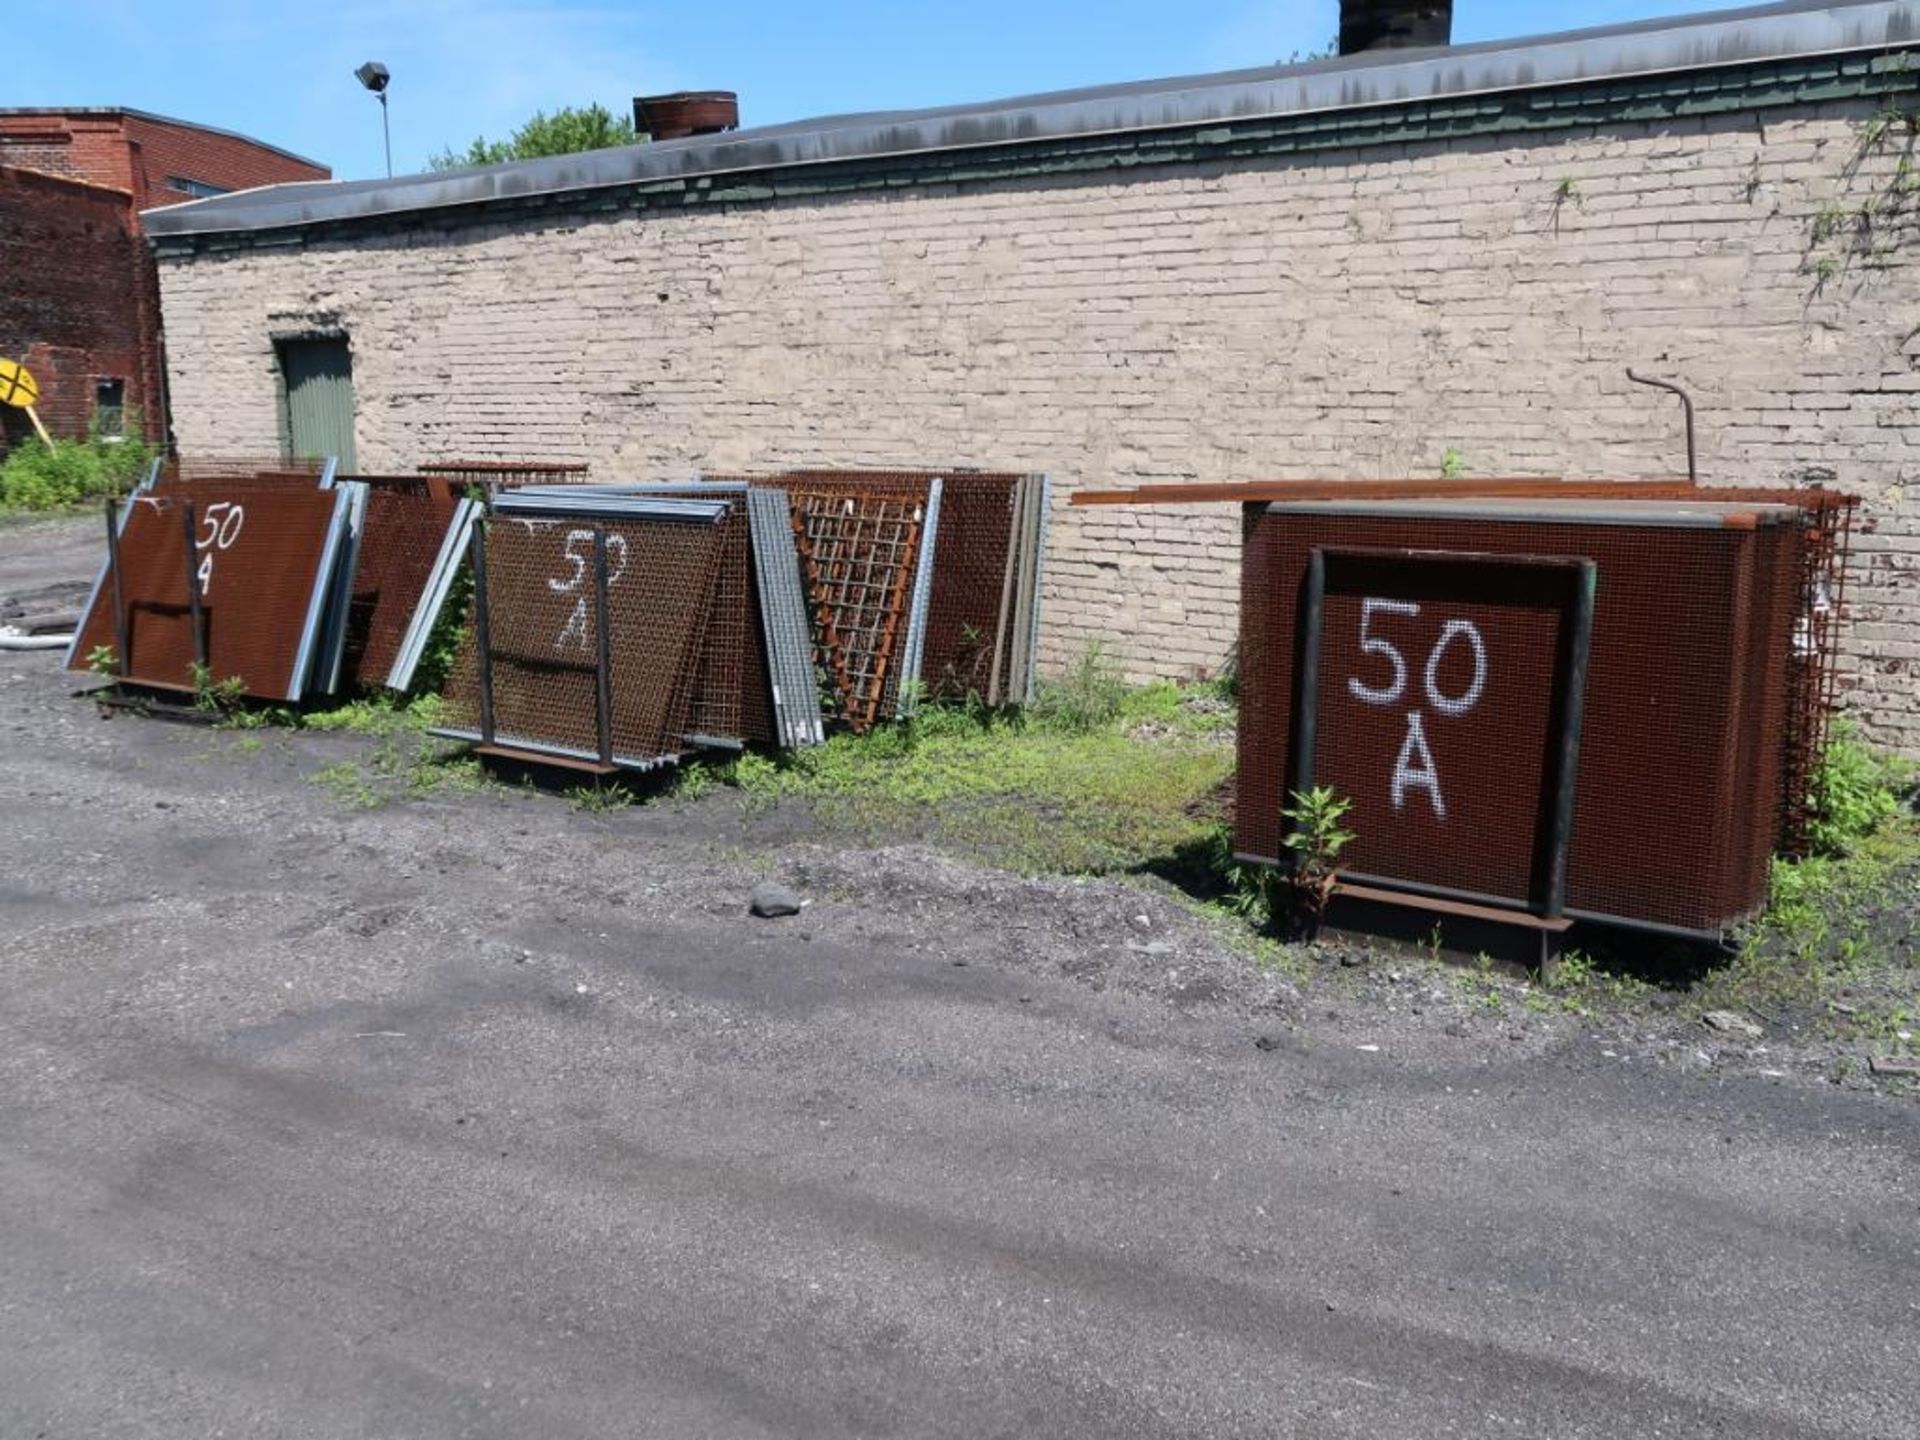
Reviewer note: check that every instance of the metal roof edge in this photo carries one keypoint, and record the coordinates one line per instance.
(1797, 28)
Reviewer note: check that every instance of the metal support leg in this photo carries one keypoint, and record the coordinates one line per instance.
(122, 659)
(194, 610)
(603, 650)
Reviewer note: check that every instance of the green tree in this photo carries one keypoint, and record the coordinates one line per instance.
(565, 132)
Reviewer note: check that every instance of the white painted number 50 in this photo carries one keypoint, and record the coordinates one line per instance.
(1413, 767)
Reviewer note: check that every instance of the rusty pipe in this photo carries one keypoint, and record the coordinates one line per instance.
(1693, 471)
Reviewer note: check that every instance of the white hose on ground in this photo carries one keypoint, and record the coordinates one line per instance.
(9, 641)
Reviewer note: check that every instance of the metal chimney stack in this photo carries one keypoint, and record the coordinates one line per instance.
(1394, 24)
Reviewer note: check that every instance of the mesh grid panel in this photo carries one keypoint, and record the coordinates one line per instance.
(399, 541)
(188, 469)
(495, 475)
(969, 571)
(257, 553)
(859, 549)
(1456, 737)
(544, 634)
(1682, 747)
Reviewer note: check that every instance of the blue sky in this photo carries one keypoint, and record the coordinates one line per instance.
(284, 72)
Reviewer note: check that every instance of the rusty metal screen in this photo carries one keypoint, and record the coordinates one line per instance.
(1678, 788)
(530, 674)
(401, 536)
(231, 576)
(493, 476)
(860, 553)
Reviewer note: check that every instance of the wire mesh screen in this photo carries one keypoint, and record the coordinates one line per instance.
(191, 468)
(970, 564)
(1682, 746)
(1439, 697)
(400, 538)
(495, 475)
(859, 549)
(543, 636)
(249, 557)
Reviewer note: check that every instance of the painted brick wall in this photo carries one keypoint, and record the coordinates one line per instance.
(76, 297)
(1348, 314)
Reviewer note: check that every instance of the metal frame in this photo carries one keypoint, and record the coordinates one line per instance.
(433, 599)
(331, 653)
(316, 604)
(783, 618)
(907, 692)
(1550, 867)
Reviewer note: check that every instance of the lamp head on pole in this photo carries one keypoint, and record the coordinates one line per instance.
(374, 76)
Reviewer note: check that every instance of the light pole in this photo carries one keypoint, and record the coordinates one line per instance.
(375, 77)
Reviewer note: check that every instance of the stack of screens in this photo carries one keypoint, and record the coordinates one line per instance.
(1570, 707)
(494, 476)
(866, 558)
(588, 638)
(216, 584)
(399, 527)
(982, 617)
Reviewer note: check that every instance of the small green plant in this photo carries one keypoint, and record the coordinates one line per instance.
(1316, 840)
(215, 697)
(1855, 791)
(1567, 189)
(1827, 221)
(1085, 699)
(1452, 464)
(599, 799)
(102, 661)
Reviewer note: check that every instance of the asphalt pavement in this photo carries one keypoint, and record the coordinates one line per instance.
(480, 1116)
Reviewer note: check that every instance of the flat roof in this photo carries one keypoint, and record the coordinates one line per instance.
(103, 111)
(1797, 28)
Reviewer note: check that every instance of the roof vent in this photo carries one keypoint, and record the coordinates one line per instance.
(1394, 24)
(686, 112)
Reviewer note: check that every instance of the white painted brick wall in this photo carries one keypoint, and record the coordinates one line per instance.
(1350, 315)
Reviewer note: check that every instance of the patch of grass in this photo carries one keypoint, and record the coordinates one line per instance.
(1097, 783)
(1085, 699)
(1841, 918)
(403, 763)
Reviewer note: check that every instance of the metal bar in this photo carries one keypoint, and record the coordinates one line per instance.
(121, 630)
(1280, 492)
(1306, 680)
(1566, 780)
(482, 633)
(603, 649)
(1686, 400)
(1000, 636)
(1387, 894)
(193, 593)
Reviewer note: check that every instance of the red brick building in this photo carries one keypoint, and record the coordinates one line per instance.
(78, 302)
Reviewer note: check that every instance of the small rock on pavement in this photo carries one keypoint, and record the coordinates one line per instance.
(770, 901)
(1728, 1023)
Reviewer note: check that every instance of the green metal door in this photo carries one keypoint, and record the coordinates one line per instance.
(319, 390)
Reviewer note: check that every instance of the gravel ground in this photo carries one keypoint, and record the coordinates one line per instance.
(479, 1115)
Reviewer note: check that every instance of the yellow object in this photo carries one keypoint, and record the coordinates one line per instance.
(17, 385)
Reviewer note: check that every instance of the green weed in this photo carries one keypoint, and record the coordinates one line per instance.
(71, 472)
